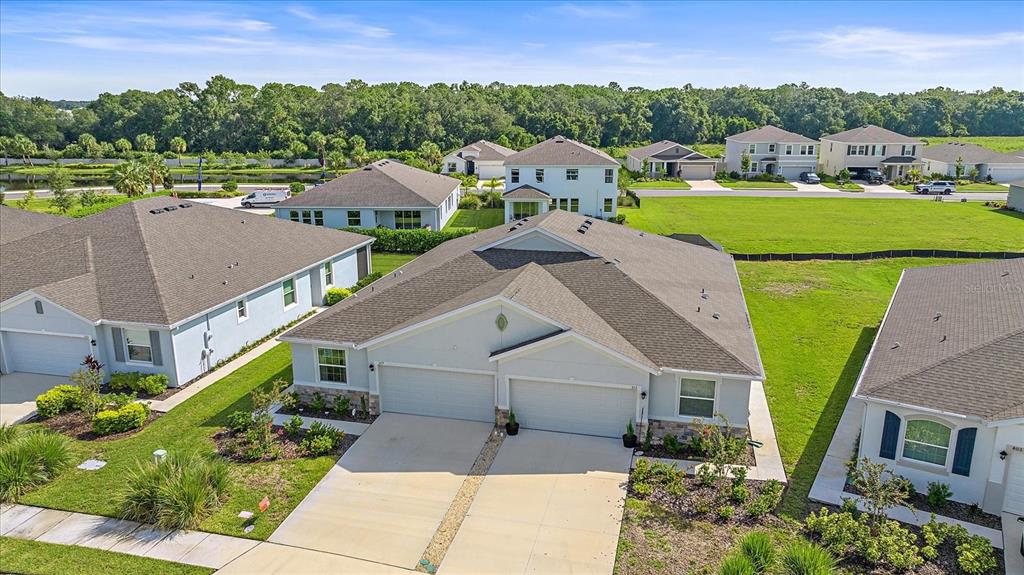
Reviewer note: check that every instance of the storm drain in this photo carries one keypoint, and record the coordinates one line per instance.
(449, 526)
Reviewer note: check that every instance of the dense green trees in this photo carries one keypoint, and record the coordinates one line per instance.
(347, 120)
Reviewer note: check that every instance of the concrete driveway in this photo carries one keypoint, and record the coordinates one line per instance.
(18, 393)
(551, 503)
(386, 496)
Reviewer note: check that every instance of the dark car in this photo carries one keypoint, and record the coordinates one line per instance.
(872, 176)
(809, 178)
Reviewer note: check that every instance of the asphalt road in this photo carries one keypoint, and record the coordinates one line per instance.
(865, 195)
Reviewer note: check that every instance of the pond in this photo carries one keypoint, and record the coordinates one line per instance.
(12, 182)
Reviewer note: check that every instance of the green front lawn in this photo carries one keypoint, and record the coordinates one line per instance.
(660, 185)
(755, 185)
(37, 558)
(386, 263)
(190, 427)
(997, 143)
(847, 187)
(982, 187)
(483, 218)
(759, 225)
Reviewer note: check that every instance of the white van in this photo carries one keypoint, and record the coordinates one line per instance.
(265, 197)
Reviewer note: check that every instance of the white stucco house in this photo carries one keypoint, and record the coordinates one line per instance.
(772, 151)
(1015, 198)
(943, 385)
(483, 159)
(570, 321)
(386, 193)
(560, 173)
(159, 285)
(671, 159)
(870, 146)
(943, 159)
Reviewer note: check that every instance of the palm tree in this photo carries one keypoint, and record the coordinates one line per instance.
(178, 146)
(130, 178)
(156, 170)
(24, 147)
(145, 143)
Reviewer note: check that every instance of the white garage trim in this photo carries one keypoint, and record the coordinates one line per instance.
(1013, 495)
(508, 379)
(54, 333)
(467, 392)
(50, 358)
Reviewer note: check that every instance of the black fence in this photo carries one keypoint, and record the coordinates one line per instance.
(800, 257)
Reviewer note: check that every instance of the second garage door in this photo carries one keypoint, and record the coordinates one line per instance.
(571, 407)
(698, 172)
(1013, 501)
(437, 393)
(44, 353)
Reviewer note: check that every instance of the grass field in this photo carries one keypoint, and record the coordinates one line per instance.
(483, 218)
(759, 225)
(997, 143)
(37, 558)
(386, 263)
(660, 185)
(104, 202)
(982, 187)
(848, 187)
(755, 185)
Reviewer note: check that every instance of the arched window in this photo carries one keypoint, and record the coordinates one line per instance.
(39, 307)
(927, 441)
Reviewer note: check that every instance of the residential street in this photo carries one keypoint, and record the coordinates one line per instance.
(813, 191)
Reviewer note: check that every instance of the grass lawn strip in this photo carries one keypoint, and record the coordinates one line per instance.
(38, 558)
(755, 185)
(385, 262)
(844, 187)
(660, 185)
(483, 218)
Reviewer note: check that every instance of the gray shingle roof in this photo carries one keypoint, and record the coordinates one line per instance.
(16, 224)
(770, 134)
(871, 135)
(128, 264)
(900, 160)
(971, 154)
(382, 184)
(953, 340)
(527, 192)
(560, 151)
(485, 151)
(639, 297)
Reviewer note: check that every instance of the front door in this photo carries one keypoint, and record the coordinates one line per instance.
(470, 167)
(769, 169)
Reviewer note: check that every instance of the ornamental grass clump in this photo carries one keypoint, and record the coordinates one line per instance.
(757, 546)
(177, 492)
(30, 459)
(804, 558)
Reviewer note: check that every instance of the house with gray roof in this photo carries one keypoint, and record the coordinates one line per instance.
(561, 174)
(669, 159)
(160, 285)
(942, 388)
(386, 193)
(870, 147)
(991, 165)
(569, 321)
(483, 159)
(771, 150)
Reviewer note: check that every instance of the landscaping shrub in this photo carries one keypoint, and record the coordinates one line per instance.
(725, 512)
(240, 421)
(470, 202)
(341, 405)
(321, 439)
(31, 459)
(124, 380)
(335, 294)
(938, 494)
(153, 384)
(736, 564)
(296, 188)
(58, 400)
(804, 558)
(128, 417)
(975, 556)
(230, 187)
(176, 493)
(672, 444)
(415, 241)
(318, 402)
(767, 500)
(887, 542)
(618, 219)
(365, 281)
(8, 433)
(293, 426)
(757, 546)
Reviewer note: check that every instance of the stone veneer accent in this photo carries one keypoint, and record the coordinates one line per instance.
(306, 395)
(682, 429)
(500, 416)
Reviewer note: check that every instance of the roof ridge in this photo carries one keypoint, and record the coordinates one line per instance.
(404, 186)
(149, 260)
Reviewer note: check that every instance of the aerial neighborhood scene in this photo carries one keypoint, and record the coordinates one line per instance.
(601, 288)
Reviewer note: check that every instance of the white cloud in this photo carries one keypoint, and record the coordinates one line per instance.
(343, 22)
(857, 43)
(598, 10)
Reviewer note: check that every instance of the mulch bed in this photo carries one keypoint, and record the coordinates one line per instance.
(307, 411)
(702, 502)
(952, 509)
(231, 446)
(658, 450)
(77, 425)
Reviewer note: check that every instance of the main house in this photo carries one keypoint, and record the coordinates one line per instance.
(560, 173)
(386, 193)
(943, 385)
(669, 159)
(159, 285)
(991, 165)
(870, 147)
(771, 151)
(483, 159)
(575, 324)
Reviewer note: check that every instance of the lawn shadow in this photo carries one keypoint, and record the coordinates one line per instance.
(795, 503)
(244, 402)
(1011, 213)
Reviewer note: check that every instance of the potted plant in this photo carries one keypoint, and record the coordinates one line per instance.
(512, 427)
(629, 438)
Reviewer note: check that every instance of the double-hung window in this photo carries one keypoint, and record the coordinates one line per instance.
(293, 215)
(242, 309)
(136, 342)
(514, 175)
(408, 220)
(696, 397)
(789, 149)
(318, 217)
(926, 441)
(328, 273)
(451, 167)
(609, 204)
(751, 148)
(574, 205)
(355, 219)
(609, 175)
(331, 365)
(539, 175)
(288, 287)
(810, 150)
(572, 174)
(771, 148)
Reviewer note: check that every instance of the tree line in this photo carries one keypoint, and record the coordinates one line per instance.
(287, 120)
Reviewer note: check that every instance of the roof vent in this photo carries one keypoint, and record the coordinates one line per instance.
(938, 315)
(368, 168)
(156, 211)
(184, 205)
(225, 282)
(170, 208)
(191, 276)
(716, 316)
(895, 345)
(704, 296)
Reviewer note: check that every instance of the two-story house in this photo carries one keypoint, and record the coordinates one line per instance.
(869, 147)
(560, 173)
(771, 151)
(482, 159)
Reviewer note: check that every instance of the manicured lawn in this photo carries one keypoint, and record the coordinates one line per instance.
(386, 263)
(845, 187)
(660, 185)
(997, 143)
(964, 188)
(709, 150)
(37, 558)
(105, 202)
(759, 225)
(754, 185)
(189, 427)
(483, 218)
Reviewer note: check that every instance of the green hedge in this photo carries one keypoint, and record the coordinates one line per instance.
(138, 382)
(410, 241)
(336, 294)
(129, 417)
(58, 400)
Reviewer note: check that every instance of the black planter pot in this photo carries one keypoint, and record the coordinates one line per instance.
(628, 440)
(512, 428)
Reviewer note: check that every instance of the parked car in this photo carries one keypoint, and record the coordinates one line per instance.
(267, 197)
(872, 176)
(936, 187)
(809, 178)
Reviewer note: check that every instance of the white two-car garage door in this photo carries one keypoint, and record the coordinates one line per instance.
(437, 393)
(1013, 499)
(572, 407)
(44, 353)
(696, 172)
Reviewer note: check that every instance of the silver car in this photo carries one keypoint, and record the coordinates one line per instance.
(936, 187)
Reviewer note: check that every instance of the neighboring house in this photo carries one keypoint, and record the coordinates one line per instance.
(943, 159)
(576, 324)
(483, 159)
(386, 193)
(671, 160)
(772, 151)
(943, 385)
(1015, 198)
(870, 147)
(160, 285)
(560, 173)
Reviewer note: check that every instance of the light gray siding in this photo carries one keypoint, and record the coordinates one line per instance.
(733, 398)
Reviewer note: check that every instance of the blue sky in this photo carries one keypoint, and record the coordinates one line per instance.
(76, 50)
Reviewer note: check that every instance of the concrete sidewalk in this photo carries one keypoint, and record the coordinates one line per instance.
(110, 534)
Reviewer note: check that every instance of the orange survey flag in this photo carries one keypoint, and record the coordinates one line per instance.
(265, 504)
